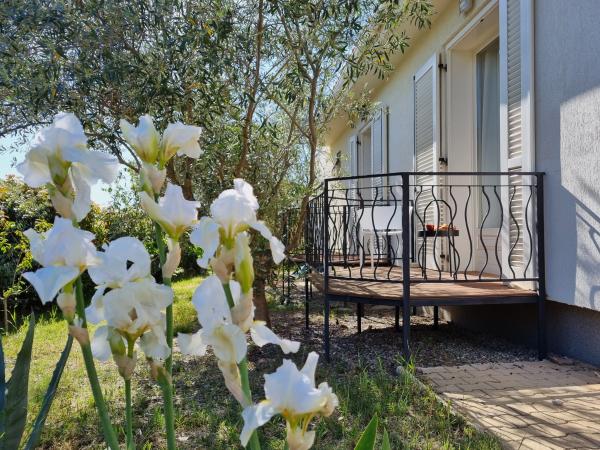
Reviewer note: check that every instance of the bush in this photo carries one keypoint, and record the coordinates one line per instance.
(22, 207)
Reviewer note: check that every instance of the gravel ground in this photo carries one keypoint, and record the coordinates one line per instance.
(449, 345)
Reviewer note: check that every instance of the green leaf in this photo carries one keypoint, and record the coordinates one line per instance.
(16, 392)
(385, 445)
(38, 425)
(2, 392)
(368, 436)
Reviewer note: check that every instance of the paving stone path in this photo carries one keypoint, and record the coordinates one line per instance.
(527, 405)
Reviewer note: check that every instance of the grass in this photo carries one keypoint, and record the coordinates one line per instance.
(207, 416)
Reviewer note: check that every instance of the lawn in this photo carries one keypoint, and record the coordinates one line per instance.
(207, 417)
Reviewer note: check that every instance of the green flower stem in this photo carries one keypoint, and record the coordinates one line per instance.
(160, 244)
(128, 405)
(254, 442)
(129, 415)
(165, 381)
(109, 433)
(167, 390)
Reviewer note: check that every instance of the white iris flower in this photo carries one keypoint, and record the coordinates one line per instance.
(293, 394)
(59, 159)
(64, 253)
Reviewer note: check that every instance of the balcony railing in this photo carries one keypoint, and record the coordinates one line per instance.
(445, 226)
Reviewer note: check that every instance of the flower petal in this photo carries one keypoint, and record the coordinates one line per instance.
(144, 138)
(36, 243)
(100, 345)
(277, 247)
(115, 269)
(332, 401)
(156, 213)
(83, 201)
(255, 416)
(235, 208)
(293, 391)
(211, 303)
(64, 245)
(181, 139)
(228, 342)
(298, 439)
(310, 366)
(262, 335)
(35, 168)
(191, 344)
(206, 236)
(154, 343)
(100, 166)
(47, 281)
(246, 190)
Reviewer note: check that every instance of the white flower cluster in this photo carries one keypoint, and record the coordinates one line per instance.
(155, 150)
(129, 305)
(224, 241)
(60, 160)
(128, 301)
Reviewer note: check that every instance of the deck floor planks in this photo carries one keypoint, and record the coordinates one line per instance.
(420, 291)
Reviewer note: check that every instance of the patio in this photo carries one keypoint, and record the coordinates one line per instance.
(526, 404)
(428, 239)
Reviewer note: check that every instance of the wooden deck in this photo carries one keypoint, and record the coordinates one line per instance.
(422, 293)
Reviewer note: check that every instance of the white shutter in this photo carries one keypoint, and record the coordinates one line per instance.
(379, 153)
(426, 135)
(426, 141)
(353, 154)
(516, 127)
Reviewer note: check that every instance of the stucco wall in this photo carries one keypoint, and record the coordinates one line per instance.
(397, 92)
(567, 120)
(567, 117)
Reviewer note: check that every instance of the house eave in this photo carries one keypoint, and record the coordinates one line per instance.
(339, 123)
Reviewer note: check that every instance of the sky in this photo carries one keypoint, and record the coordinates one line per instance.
(99, 195)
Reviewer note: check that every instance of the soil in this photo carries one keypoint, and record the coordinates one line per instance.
(379, 342)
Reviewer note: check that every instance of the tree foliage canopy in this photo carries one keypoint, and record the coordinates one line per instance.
(262, 77)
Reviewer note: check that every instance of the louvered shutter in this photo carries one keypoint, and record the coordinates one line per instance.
(379, 154)
(426, 145)
(516, 127)
(353, 154)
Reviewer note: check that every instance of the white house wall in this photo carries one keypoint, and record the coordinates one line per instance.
(567, 118)
(567, 133)
(397, 92)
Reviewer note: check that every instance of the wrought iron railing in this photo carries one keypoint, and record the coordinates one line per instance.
(315, 232)
(434, 227)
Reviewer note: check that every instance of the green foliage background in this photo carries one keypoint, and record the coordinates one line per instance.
(22, 207)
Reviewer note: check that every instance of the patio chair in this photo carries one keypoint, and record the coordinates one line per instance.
(379, 222)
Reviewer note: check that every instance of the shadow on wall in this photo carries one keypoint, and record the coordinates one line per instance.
(578, 237)
(567, 114)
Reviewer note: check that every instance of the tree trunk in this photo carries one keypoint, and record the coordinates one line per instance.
(5, 302)
(252, 93)
(188, 187)
(260, 301)
(182, 179)
(313, 141)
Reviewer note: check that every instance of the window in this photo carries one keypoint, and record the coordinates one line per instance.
(364, 163)
(488, 131)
